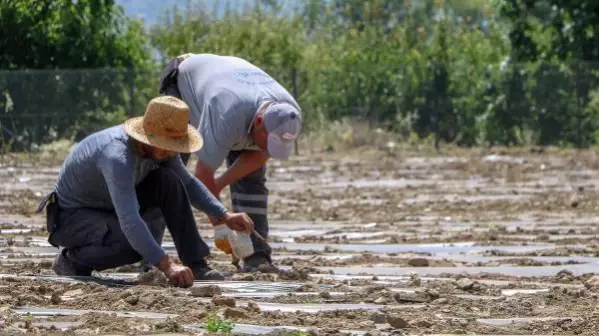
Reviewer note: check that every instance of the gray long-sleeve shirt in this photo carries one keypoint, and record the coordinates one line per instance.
(102, 171)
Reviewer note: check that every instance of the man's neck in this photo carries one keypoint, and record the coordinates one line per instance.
(260, 111)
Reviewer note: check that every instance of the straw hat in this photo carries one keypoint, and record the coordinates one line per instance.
(165, 125)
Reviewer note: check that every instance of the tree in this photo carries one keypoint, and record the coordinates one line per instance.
(559, 40)
(56, 43)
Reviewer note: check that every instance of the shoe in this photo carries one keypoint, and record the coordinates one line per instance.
(258, 262)
(63, 266)
(202, 271)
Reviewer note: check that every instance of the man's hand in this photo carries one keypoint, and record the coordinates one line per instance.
(239, 221)
(179, 276)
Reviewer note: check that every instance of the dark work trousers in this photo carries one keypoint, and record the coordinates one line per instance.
(250, 195)
(93, 238)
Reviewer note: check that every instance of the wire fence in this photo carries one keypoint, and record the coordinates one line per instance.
(40, 106)
(535, 104)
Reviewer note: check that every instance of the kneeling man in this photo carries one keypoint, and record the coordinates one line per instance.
(113, 177)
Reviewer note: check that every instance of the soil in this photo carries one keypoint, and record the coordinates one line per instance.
(361, 210)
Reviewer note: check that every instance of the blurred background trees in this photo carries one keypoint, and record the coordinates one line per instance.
(469, 72)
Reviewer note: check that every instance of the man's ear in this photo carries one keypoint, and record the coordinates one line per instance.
(259, 119)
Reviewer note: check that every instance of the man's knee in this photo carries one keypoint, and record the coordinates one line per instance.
(102, 257)
(164, 178)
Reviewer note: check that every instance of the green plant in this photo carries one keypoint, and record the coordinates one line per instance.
(300, 333)
(215, 323)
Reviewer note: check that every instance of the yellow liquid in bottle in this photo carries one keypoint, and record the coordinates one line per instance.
(224, 245)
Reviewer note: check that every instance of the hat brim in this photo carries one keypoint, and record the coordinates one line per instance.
(192, 142)
(278, 149)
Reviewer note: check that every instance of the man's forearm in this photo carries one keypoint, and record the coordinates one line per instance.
(206, 175)
(247, 163)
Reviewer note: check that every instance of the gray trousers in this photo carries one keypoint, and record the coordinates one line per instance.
(250, 195)
(93, 238)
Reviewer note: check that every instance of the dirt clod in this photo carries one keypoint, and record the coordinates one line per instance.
(465, 284)
(154, 277)
(592, 282)
(235, 313)
(414, 280)
(397, 321)
(132, 299)
(325, 295)
(223, 301)
(377, 317)
(253, 307)
(418, 262)
(205, 291)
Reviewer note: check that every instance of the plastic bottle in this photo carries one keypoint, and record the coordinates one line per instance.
(241, 244)
(221, 238)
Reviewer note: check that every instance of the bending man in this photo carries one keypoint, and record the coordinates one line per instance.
(246, 117)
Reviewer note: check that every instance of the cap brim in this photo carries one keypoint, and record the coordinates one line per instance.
(190, 143)
(279, 149)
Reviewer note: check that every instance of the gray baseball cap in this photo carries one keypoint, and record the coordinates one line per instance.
(283, 124)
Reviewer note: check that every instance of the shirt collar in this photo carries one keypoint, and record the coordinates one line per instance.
(262, 107)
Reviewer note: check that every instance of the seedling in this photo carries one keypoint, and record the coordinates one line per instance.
(216, 324)
(300, 333)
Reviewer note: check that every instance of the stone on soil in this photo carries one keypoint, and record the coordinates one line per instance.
(154, 277)
(205, 291)
(325, 295)
(592, 282)
(234, 313)
(418, 297)
(132, 299)
(418, 262)
(422, 323)
(377, 317)
(465, 283)
(441, 301)
(253, 307)
(223, 301)
(414, 280)
(397, 322)
(380, 300)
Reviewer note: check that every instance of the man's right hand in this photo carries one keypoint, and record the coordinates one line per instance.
(179, 276)
(239, 221)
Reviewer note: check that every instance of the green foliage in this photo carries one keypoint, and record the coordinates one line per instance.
(556, 45)
(76, 35)
(300, 333)
(470, 72)
(215, 323)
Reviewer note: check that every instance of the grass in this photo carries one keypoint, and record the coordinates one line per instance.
(342, 137)
(300, 333)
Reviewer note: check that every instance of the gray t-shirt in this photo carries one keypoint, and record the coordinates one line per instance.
(224, 93)
(102, 173)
